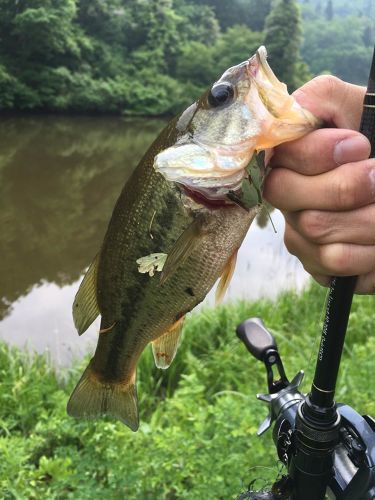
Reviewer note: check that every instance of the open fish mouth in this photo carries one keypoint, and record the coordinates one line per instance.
(246, 110)
(258, 64)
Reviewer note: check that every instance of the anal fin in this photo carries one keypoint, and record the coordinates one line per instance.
(92, 398)
(165, 347)
(226, 277)
(85, 305)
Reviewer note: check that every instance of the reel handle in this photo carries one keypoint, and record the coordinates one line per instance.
(261, 344)
(257, 339)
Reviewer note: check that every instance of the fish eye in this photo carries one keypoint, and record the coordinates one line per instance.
(220, 94)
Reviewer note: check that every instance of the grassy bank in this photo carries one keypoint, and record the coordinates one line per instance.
(199, 418)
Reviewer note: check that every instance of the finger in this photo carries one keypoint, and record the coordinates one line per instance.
(346, 187)
(327, 96)
(366, 283)
(323, 227)
(337, 259)
(322, 280)
(322, 150)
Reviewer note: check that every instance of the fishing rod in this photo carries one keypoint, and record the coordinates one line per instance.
(328, 448)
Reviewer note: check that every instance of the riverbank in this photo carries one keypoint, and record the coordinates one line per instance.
(198, 419)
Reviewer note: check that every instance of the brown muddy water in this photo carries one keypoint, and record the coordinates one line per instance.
(59, 180)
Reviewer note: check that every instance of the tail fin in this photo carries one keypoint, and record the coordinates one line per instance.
(91, 398)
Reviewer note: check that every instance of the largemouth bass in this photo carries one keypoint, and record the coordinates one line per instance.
(177, 227)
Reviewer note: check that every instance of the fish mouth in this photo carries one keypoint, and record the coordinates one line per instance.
(213, 192)
(258, 63)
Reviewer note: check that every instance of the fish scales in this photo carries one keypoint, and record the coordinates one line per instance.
(176, 229)
(142, 299)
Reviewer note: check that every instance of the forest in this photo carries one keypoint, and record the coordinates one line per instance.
(153, 57)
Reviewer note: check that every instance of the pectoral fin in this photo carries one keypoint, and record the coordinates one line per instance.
(184, 246)
(85, 305)
(225, 279)
(165, 347)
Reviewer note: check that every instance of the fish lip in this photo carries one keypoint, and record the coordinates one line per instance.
(228, 149)
(259, 60)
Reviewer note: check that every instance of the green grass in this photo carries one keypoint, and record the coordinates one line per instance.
(198, 419)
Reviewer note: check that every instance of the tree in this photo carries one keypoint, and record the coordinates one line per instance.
(237, 44)
(198, 23)
(329, 10)
(368, 35)
(156, 56)
(337, 47)
(369, 8)
(227, 12)
(258, 11)
(46, 33)
(251, 13)
(104, 20)
(283, 39)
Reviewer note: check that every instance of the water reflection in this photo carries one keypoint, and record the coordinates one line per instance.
(42, 322)
(59, 179)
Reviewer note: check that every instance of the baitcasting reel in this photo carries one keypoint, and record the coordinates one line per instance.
(350, 437)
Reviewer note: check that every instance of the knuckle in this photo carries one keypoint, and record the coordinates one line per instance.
(273, 186)
(345, 193)
(328, 82)
(289, 246)
(314, 225)
(336, 258)
(269, 187)
(289, 241)
(366, 284)
(369, 178)
(305, 155)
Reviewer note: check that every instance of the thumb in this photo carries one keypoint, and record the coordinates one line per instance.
(336, 102)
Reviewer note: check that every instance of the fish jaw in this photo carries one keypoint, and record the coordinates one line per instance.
(203, 167)
(217, 143)
(280, 116)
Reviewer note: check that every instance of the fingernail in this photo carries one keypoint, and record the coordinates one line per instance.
(354, 148)
(372, 180)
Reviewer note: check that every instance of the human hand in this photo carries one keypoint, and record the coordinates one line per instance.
(324, 184)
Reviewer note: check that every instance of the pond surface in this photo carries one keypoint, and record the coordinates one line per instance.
(59, 180)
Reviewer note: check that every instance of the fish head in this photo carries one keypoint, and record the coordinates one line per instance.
(246, 110)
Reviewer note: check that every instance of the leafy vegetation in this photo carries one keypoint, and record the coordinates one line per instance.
(283, 39)
(155, 57)
(339, 38)
(197, 437)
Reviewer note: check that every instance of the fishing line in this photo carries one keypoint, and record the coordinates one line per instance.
(270, 218)
(264, 489)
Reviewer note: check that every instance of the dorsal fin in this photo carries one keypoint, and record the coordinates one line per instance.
(85, 305)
